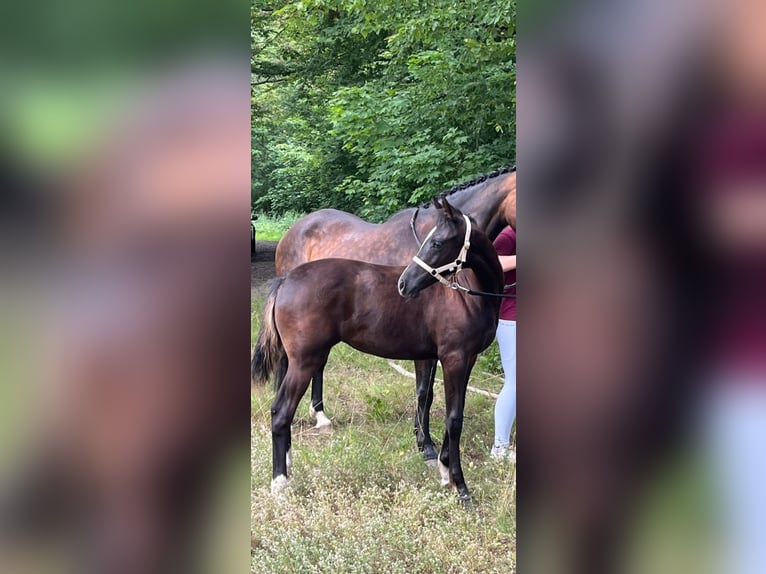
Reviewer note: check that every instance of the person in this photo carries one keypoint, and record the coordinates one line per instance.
(505, 407)
(731, 167)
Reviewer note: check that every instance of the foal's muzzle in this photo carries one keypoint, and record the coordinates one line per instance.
(402, 286)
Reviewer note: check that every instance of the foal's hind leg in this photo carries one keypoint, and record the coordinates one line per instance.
(283, 409)
(425, 371)
(316, 408)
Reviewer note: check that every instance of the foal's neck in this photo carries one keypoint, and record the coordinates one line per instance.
(483, 261)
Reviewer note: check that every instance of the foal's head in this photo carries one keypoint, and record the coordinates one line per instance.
(441, 251)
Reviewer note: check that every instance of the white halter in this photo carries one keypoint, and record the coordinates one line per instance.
(456, 266)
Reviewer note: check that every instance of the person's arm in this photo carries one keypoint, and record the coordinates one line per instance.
(508, 262)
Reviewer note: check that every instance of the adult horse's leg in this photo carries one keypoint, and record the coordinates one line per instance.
(283, 409)
(425, 371)
(316, 408)
(456, 372)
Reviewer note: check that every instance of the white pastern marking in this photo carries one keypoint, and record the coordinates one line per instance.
(322, 421)
(289, 463)
(279, 485)
(444, 471)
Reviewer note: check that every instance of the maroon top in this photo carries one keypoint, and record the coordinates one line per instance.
(733, 149)
(739, 328)
(505, 244)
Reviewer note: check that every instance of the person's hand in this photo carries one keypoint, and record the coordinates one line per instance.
(507, 262)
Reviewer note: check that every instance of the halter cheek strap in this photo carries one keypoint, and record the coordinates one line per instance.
(456, 266)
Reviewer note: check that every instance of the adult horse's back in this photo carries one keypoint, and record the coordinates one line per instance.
(490, 200)
(333, 233)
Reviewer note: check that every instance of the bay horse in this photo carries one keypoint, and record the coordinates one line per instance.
(490, 200)
(376, 309)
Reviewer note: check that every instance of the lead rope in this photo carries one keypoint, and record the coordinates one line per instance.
(455, 286)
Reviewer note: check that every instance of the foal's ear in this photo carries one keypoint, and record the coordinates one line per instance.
(447, 209)
(435, 201)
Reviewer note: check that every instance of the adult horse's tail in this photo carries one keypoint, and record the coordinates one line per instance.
(269, 357)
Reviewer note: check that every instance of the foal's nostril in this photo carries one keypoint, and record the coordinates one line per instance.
(401, 285)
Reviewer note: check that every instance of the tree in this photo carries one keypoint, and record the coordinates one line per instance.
(372, 106)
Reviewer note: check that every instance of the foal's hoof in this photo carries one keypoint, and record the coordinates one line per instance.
(466, 501)
(431, 462)
(429, 455)
(323, 423)
(279, 486)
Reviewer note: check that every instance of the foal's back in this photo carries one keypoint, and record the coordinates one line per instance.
(324, 302)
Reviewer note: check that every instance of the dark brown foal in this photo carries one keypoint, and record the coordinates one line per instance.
(386, 311)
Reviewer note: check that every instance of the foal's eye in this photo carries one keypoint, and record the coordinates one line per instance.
(436, 245)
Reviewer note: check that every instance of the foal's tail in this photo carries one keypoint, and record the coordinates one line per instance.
(269, 357)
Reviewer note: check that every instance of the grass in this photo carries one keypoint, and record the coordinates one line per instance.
(361, 499)
(272, 228)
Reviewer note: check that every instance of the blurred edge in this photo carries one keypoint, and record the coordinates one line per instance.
(124, 296)
(640, 147)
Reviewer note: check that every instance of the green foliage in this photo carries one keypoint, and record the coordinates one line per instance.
(372, 106)
(490, 361)
(272, 228)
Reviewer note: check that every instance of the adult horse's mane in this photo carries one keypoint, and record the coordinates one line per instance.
(472, 182)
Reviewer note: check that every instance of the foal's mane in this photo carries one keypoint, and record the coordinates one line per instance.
(473, 182)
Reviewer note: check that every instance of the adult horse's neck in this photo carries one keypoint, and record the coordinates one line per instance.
(486, 202)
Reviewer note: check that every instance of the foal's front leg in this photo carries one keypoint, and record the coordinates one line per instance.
(316, 408)
(456, 372)
(425, 371)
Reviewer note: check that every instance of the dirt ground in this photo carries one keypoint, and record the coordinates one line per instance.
(262, 267)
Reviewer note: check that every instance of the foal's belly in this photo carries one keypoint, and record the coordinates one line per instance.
(390, 348)
(389, 331)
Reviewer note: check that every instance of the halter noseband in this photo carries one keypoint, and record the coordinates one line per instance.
(456, 266)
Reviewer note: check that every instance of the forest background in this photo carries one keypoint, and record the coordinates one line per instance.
(373, 105)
